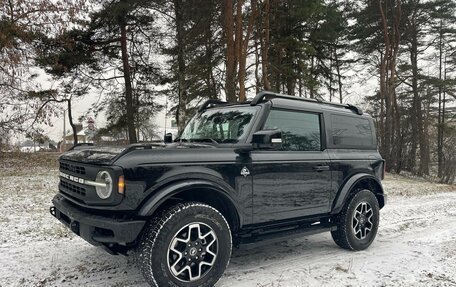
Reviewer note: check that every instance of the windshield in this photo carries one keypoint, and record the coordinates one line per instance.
(226, 125)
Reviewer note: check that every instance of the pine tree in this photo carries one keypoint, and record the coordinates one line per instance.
(444, 31)
(195, 54)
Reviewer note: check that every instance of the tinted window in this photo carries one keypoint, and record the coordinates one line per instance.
(300, 131)
(351, 132)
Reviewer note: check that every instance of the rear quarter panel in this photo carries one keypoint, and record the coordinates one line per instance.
(352, 160)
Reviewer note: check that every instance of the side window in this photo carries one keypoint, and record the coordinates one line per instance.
(348, 131)
(300, 131)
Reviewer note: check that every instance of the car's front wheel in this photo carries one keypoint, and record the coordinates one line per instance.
(357, 223)
(187, 245)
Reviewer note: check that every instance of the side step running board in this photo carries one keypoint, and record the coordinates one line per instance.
(268, 238)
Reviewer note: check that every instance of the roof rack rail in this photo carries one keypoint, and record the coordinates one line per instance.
(210, 102)
(266, 94)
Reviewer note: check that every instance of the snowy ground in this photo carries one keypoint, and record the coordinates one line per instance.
(416, 244)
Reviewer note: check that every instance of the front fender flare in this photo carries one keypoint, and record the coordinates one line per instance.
(153, 202)
(343, 193)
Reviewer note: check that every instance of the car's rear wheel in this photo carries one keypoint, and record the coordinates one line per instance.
(357, 223)
(187, 245)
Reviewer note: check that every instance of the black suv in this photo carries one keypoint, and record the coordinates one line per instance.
(272, 168)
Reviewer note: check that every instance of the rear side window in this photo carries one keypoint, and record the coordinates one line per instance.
(300, 131)
(350, 132)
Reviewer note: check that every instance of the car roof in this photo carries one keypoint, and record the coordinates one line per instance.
(312, 106)
(289, 102)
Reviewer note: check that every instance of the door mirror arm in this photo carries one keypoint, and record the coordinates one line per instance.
(168, 138)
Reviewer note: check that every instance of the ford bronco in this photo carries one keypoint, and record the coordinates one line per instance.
(239, 173)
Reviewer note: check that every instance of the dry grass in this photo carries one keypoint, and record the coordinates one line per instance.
(17, 163)
(411, 186)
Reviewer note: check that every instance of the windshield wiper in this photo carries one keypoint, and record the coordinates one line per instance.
(204, 140)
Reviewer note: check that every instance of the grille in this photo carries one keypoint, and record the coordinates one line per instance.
(72, 168)
(73, 188)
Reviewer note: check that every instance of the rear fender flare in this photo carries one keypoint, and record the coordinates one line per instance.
(344, 192)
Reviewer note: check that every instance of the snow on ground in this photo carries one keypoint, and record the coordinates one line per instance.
(416, 244)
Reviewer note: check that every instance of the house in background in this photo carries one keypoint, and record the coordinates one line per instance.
(81, 134)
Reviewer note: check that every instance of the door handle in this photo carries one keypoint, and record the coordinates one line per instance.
(321, 167)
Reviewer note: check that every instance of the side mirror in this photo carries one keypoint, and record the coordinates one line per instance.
(168, 138)
(267, 139)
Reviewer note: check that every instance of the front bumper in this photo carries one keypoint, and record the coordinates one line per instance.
(96, 229)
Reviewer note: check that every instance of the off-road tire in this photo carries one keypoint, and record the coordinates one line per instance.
(152, 252)
(345, 235)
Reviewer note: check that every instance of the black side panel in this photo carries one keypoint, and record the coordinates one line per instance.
(349, 162)
(290, 184)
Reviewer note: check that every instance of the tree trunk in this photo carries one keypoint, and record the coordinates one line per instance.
(265, 46)
(243, 52)
(442, 134)
(391, 37)
(424, 145)
(311, 86)
(416, 102)
(397, 141)
(73, 126)
(127, 78)
(386, 144)
(339, 75)
(439, 120)
(182, 93)
(228, 28)
(210, 57)
(257, 67)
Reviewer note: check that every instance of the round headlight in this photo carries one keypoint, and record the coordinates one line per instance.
(104, 191)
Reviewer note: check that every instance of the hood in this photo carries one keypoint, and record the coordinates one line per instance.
(106, 155)
(93, 155)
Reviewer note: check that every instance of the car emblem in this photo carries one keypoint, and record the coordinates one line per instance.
(245, 172)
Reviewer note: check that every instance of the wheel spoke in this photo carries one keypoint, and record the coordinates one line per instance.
(186, 268)
(198, 276)
(206, 263)
(209, 243)
(357, 213)
(178, 252)
(200, 266)
(355, 224)
(182, 240)
(210, 232)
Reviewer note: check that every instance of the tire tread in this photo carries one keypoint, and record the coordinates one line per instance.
(340, 236)
(153, 229)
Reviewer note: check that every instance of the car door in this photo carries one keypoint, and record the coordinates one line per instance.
(294, 180)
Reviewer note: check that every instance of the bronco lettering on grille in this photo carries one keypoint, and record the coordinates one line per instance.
(72, 178)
